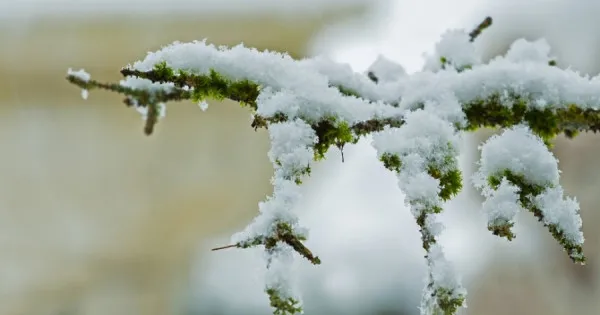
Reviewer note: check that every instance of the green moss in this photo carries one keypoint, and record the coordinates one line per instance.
(210, 86)
(331, 131)
(546, 123)
(163, 71)
(447, 301)
(450, 182)
(391, 161)
(283, 306)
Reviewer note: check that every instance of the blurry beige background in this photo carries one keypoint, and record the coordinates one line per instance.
(96, 218)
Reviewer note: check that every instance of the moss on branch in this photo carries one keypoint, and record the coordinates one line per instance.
(450, 184)
(285, 234)
(205, 86)
(492, 111)
(527, 191)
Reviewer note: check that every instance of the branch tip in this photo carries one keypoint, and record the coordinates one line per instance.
(224, 247)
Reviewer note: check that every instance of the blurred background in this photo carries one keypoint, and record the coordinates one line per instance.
(96, 218)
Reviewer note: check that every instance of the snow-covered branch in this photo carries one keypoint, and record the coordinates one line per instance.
(310, 105)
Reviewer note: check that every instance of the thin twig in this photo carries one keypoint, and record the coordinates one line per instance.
(223, 247)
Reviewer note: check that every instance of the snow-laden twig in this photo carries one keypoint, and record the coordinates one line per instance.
(313, 104)
(518, 171)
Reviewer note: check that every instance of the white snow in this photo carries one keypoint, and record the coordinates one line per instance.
(456, 48)
(305, 87)
(386, 70)
(502, 205)
(146, 85)
(523, 50)
(80, 74)
(521, 152)
(562, 212)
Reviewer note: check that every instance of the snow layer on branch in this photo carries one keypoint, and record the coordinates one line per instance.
(562, 212)
(441, 277)
(425, 135)
(520, 151)
(291, 152)
(340, 74)
(276, 208)
(80, 74)
(524, 154)
(146, 85)
(291, 147)
(442, 271)
(502, 205)
(424, 140)
(456, 48)
(303, 83)
(557, 88)
(280, 273)
(311, 80)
